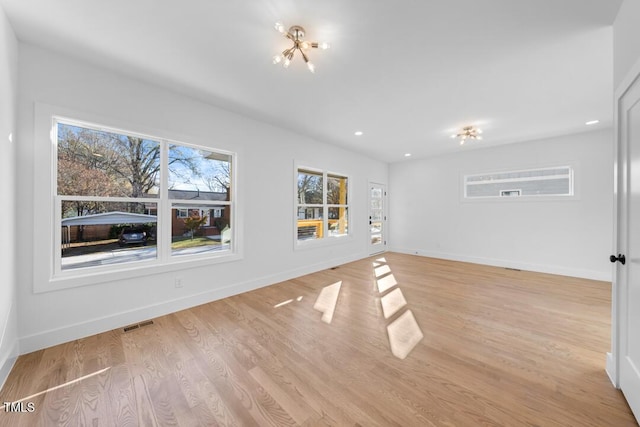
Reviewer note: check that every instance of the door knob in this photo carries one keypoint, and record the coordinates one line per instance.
(620, 258)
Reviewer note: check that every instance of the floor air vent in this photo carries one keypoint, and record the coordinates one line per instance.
(137, 326)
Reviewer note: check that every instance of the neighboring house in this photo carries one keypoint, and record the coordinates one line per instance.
(189, 207)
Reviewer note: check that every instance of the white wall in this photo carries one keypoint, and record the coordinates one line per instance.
(265, 195)
(8, 91)
(626, 39)
(570, 237)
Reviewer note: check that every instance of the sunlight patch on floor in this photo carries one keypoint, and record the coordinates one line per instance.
(382, 270)
(68, 383)
(283, 303)
(385, 283)
(287, 302)
(392, 302)
(327, 300)
(404, 334)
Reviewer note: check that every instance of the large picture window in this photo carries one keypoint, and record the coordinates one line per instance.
(123, 199)
(322, 208)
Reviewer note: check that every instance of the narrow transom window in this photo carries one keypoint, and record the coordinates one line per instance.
(557, 181)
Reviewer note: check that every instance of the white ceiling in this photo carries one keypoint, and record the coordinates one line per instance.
(408, 73)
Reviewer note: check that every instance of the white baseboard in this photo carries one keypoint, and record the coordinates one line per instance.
(8, 345)
(611, 370)
(102, 324)
(6, 363)
(549, 269)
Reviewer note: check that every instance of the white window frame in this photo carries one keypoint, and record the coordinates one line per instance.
(49, 276)
(327, 239)
(572, 176)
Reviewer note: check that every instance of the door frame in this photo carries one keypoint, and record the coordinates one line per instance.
(620, 188)
(385, 210)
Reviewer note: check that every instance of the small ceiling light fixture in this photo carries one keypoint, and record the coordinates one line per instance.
(358, 133)
(407, 154)
(296, 35)
(468, 132)
(592, 122)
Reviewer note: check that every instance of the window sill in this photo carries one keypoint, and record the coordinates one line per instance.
(320, 243)
(72, 279)
(515, 199)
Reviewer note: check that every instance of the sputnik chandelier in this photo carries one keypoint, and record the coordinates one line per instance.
(468, 132)
(296, 35)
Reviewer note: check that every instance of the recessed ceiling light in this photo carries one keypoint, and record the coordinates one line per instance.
(407, 154)
(11, 137)
(358, 133)
(592, 122)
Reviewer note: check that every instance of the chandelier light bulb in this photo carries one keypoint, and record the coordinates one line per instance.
(277, 59)
(279, 27)
(286, 63)
(311, 67)
(305, 45)
(324, 45)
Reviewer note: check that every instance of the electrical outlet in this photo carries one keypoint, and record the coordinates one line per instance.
(178, 282)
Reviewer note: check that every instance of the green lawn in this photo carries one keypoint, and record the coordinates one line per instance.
(188, 242)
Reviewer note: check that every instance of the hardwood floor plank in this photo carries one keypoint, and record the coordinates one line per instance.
(144, 411)
(298, 414)
(499, 348)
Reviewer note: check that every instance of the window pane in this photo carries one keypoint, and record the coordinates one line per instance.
(105, 233)
(99, 163)
(309, 187)
(338, 221)
(376, 237)
(526, 188)
(197, 174)
(336, 190)
(310, 224)
(535, 182)
(204, 229)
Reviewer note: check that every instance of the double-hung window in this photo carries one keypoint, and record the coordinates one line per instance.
(322, 208)
(124, 200)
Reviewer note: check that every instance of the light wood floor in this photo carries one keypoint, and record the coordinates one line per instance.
(498, 347)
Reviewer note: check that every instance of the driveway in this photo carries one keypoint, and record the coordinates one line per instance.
(132, 254)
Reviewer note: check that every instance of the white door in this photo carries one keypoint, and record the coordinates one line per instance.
(377, 218)
(627, 307)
